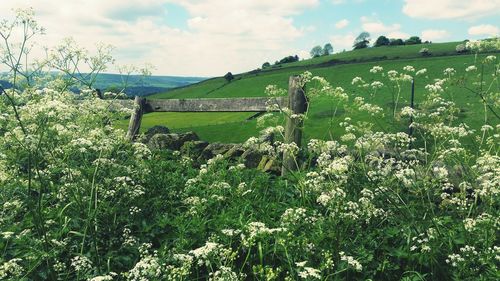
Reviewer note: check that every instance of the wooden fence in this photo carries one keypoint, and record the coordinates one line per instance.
(296, 101)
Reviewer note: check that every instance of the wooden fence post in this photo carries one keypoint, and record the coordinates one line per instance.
(136, 117)
(297, 103)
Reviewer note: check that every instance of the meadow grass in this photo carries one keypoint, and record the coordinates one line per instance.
(321, 124)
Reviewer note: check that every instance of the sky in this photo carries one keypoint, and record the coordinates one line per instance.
(212, 37)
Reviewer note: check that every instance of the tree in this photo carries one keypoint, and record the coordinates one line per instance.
(327, 49)
(288, 59)
(361, 41)
(229, 76)
(396, 42)
(266, 65)
(316, 51)
(413, 40)
(381, 41)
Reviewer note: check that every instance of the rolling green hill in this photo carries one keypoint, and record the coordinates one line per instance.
(339, 69)
(143, 86)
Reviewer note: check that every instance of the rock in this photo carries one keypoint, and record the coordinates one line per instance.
(215, 148)
(154, 131)
(193, 148)
(251, 158)
(171, 141)
(164, 141)
(234, 152)
(188, 136)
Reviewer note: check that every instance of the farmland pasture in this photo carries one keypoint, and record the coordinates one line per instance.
(221, 126)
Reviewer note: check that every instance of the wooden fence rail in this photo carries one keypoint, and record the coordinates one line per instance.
(296, 101)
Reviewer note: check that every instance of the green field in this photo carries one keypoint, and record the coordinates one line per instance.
(234, 127)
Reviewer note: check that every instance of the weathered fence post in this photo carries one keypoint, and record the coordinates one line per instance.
(297, 103)
(135, 120)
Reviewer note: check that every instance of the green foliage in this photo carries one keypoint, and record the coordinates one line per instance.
(327, 49)
(413, 40)
(288, 59)
(381, 41)
(361, 41)
(316, 51)
(396, 42)
(252, 85)
(229, 77)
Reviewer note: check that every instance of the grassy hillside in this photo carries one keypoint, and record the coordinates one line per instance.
(321, 124)
(380, 53)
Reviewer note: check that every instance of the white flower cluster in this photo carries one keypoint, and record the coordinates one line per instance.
(255, 230)
(225, 273)
(356, 265)
(358, 81)
(11, 270)
(108, 277)
(421, 242)
(409, 68)
(471, 68)
(147, 268)
(306, 272)
(408, 111)
(449, 71)
(293, 217)
(421, 72)
(211, 252)
(376, 69)
(376, 85)
(437, 87)
(81, 264)
(484, 220)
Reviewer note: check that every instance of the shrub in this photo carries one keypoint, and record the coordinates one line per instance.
(413, 40)
(381, 41)
(396, 42)
(229, 77)
(425, 52)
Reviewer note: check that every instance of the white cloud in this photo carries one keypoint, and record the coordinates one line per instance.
(221, 36)
(341, 24)
(343, 42)
(434, 34)
(338, 2)
(484, 30)
(376, 28)
(451, 9)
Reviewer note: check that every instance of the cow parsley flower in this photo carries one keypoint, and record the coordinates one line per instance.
(377, 85)
(471, 68)
(449, 71)
(421, 72)
(409, 68)
(376, 69)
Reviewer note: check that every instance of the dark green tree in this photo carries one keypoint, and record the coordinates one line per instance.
(381, 41)
(396, 42)
(266, 65)
(327, 49)
(229, 76)
(361, 41)
(316, 51)
(413, 40)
